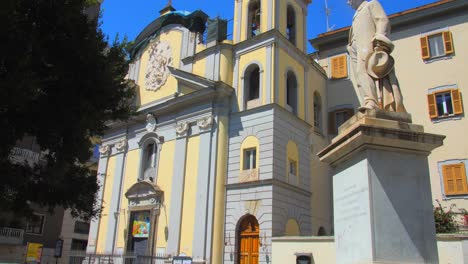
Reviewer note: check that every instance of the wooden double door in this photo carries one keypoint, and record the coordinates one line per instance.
(249, 240)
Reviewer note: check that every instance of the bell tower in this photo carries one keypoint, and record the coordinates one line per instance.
(254, 17)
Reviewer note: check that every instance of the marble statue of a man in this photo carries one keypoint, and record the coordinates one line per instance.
(369, 48)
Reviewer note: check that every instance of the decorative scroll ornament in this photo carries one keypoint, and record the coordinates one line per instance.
(104, 150)
(121, 145)
(182, 128)
(150, 123)
(160, 56)
(205, 123)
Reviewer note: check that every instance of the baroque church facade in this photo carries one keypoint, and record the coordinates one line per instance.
(221, 156)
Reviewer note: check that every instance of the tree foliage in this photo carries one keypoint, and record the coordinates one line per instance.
(60, 81)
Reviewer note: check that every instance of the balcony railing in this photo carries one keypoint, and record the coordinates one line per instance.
(20, 155)
(11, 236)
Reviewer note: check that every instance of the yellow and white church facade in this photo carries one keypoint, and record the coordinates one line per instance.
(221, 156)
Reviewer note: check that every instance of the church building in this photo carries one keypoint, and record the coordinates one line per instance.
(221, 156)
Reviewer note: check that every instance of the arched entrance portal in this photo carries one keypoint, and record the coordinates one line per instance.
(249, 242)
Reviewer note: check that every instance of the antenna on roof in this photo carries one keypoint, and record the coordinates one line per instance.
(327, 14)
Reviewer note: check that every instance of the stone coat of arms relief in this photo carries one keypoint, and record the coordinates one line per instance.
(160, 56)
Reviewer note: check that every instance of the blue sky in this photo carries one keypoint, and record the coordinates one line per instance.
(129, 17)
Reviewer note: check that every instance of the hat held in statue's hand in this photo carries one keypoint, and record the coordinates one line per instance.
(379, 64)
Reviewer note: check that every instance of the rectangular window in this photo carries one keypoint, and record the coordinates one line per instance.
(339, 67)
(341, 117)
(455, 179)
(250, 159)
(36, 224)
(81, 227)
(337, 118)
(79, 245)
(437, 45)
(444, 103)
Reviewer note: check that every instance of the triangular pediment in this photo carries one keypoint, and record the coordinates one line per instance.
(190, 80)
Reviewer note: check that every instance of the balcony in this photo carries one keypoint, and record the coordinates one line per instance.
(11, 236)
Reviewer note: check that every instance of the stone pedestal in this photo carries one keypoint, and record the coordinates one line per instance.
(381, 190)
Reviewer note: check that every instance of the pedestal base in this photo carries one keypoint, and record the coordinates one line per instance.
(381, 192)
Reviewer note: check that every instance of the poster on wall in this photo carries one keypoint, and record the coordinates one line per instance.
(141, 225)
(34, 253)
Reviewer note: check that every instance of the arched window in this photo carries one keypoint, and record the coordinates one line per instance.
(317, 111)
(254, 18)
(149, 159)
(251, 85)
(291, 24)
(303, 259)
(291, 92)
(249, 159)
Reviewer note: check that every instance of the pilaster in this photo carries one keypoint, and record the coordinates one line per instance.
(120, 149)
(104, 152)
(177, 192)
(204, 166)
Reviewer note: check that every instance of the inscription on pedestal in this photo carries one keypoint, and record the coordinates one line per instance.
(352, 214)
(349, 201)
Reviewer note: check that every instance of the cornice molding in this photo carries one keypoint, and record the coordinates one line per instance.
(271, 182)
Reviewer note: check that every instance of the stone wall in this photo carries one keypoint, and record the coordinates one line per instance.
(451, 248)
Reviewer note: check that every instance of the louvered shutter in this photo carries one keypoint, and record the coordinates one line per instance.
(460, 178)
(457, 102)
(431, 102)
(334, 67)
(448, 42)
(342, 67)
(455, 179)
(449, 181)
(339, 66)
(425, 53)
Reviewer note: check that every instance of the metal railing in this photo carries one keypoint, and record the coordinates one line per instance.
(11, 235)
(20, 155)
(83, 258)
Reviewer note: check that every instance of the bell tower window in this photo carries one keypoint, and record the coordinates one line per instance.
(254, 19)
(291, 25)
(251, 86)
(291, 92)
